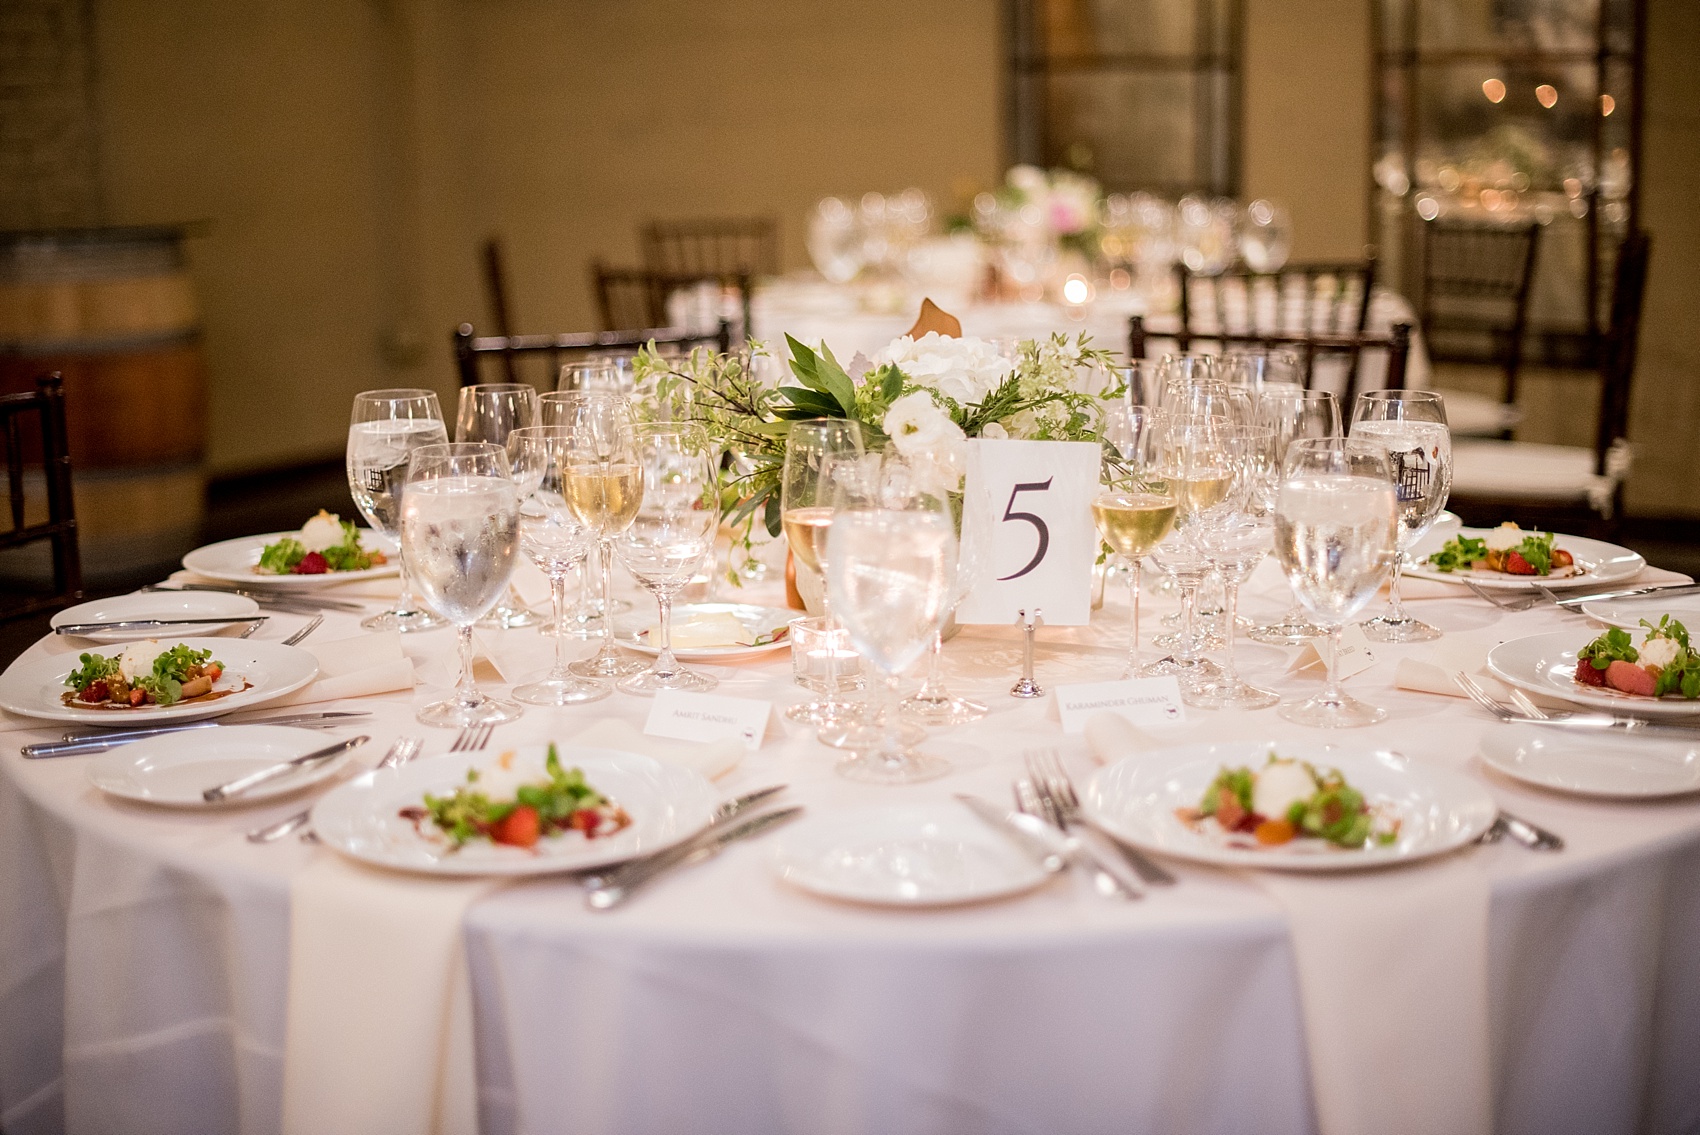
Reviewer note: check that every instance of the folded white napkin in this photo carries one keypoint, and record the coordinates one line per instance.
(355, 668)
(1392, 969)
(379, 1032)
(1111, 737)
(1431, 671)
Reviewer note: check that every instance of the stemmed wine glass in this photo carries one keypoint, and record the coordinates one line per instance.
(1293, 413)
(1135, 510)
(1336, 524)
(604, 486)
(888, 575)
(384, 428)
(1411, 424)
(460, 530)
(667, 541)
(490, 411)
(556, 541)
(806, 511)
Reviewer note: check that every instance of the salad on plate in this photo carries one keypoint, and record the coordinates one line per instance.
(498, 806)
(326, 544)
(1664, 665)
(1286, 801)
(145, 674)
(1508, 550)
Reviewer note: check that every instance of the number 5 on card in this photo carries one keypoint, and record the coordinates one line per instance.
(1027, 530)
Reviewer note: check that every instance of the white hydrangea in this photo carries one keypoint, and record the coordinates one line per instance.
(963, 369)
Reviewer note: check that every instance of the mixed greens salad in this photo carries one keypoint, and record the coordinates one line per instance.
(562, 803)
(326, 543)
(1665, 663)
(1534, 555)
(144, 674)
(1290, 799)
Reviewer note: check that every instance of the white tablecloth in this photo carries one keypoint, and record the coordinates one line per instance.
(143, 953)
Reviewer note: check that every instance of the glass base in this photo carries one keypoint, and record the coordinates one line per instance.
(1202, 639)
(943, 711)
(825, 711)
(905, 766)
(1286, 632)
(561, 691)
(1325, 712)
(456, 712)
(507, 618)
(1186, 669)
(1386, 628)
(648, 683)
(418, 619)
(1230, 695)
(607, 666)
(864, 736)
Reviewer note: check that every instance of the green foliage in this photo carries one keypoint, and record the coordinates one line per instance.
(1614, 645)
(466, 813)
(1459, 552)
(93, 668)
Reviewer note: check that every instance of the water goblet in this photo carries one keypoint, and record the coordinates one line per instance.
(384, 428)
(491, 411)
(1293, 413)
(1411, 424)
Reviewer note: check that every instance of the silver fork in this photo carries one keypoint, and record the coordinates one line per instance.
(1520, 603)
(1522, 702)
(473, 737)
(404, 750)
(304, 631)
(1480, 696)
(1054, 786)
(253, 626)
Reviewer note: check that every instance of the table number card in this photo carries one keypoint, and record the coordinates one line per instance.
(1027, 517)
(708, 717)
(1143, 701)
(1354, 656)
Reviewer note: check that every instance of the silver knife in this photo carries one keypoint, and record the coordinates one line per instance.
(1037, 839)
(731, 808)
(75, 743)
(138, 624)
(1601, 722)
(271, 772)
(621, 885)
(1629, 593)
(1531, 836)
(273, 597)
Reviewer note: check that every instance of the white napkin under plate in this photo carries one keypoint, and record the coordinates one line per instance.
(1431, 670)
(355, 668)
(379, 1032)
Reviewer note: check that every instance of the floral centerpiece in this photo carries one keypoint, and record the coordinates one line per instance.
(1064, 205)
(924, 397)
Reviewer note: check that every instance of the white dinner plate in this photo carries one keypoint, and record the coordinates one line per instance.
(1593, 764)
(1136, 800)
(1445, 526)
(1628, 613)
(175, 768)
(1546, 664)
(362, 818)
(1599, 562)
(758, 620)
(919, 855)
(224, 609)
(254, 673)
(236, 561)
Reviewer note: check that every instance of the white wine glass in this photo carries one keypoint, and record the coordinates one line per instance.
(1336, 539)
(490, 411)
(384, 427)
(1293, 414)
(1135, 510)
(1265, 236)
(1411, 424)
(554, 539)
(806, 512)
(460, 528)
(666, 543)
(888, 576)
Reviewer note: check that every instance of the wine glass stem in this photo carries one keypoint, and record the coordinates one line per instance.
(1230, 611)
(891, 737)
(1395, 606)
(1133, 611)
(467, 685)
(404, 599)
(830, 679)
(665, 663)
(932, 686)
(605, 549)
(558, 600)
(1189, 604)
(1331, 687)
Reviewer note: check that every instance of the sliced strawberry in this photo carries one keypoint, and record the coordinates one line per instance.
(312, 563)
(586, 820)
(1630, 678)
(519, 828)
(1515, 564)
(1588, 676)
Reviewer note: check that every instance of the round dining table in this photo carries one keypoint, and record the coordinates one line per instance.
(144, 952)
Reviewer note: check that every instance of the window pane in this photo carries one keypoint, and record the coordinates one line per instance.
(1136, 129)
(1507, 25)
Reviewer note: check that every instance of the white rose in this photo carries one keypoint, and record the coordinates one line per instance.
(993, 430)
(924, 434)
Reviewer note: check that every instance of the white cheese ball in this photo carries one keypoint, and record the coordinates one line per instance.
(1280, 785)
(321, 532)
(1506, 537)
(137, 659)
(1660, 652)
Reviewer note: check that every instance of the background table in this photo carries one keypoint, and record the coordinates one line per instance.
(143, 953)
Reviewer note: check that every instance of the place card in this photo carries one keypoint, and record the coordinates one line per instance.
(708, 717)
(1142, 701)
(1354, 655)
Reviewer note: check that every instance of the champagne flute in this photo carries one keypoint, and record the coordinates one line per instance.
(490, 412)
(667, 541)
(806, 512)
(384, 427)
(1294, 413)
(603, 484)
(1411, 424)
(1192, 456)
(1234, 547)
(460, 529)
(557, 542)
(1136, 510)
(1336, 524)
(888, 575)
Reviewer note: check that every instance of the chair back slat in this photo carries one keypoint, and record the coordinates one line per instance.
(712, 246)
(1476, 282)
(1622, 345)
(470, 347)
(59, 530)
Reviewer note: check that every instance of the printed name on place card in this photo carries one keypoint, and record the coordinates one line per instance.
(1143, 701)
(685, 716)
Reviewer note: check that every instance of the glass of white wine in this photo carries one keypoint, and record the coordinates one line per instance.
(460, 529)
(384, 428)
(1193, 458)
(557, 542)
(806, 513)
(603, 484)
(1336, 524)
(1411, 424)
(490, 411)
(670, 537)
(1135, 510)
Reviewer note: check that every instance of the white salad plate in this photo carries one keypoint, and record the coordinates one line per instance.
(220, 609)
(236, 561)
(1546, 664)
(1599, 562)
(1593, 764)
(363, 820)
(1137, 799)
(918, 855)
(33, 685)
(1628, 613)
(757, 620)
(173, 770)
